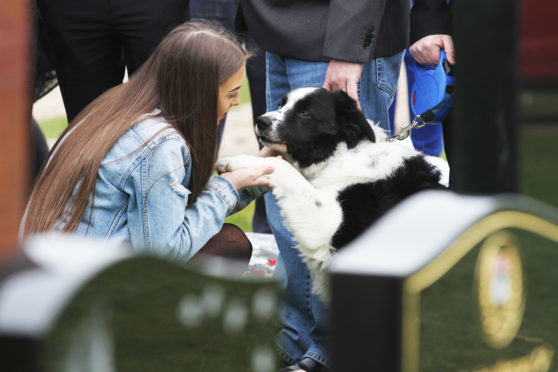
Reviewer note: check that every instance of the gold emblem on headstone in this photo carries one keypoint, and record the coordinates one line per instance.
(499, 284)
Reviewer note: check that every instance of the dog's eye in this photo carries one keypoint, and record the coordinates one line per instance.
(305, 115)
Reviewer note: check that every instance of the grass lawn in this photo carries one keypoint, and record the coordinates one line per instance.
(539, 163)
(52, 128)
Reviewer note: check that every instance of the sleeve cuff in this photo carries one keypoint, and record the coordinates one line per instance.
(224, 189)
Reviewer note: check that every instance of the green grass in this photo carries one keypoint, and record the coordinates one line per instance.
(538, 163)
(243, 219)
(245, 91)
(52, 128)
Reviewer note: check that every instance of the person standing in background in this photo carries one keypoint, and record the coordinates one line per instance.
(350, 45)
(93, 42)
(44, 80)
(430, 33)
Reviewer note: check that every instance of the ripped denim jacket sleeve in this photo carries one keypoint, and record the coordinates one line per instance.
(159, 218)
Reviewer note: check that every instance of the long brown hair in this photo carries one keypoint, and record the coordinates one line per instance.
(181, 78)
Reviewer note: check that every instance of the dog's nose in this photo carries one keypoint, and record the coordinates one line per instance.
(263, 122)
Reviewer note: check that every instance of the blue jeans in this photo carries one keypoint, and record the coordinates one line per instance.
(302, 315)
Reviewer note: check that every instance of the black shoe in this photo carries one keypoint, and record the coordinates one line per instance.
(306, 364)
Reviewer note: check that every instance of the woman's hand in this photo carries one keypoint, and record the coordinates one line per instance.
(248, 177)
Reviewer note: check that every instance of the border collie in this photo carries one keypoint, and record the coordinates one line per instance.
(338, 173)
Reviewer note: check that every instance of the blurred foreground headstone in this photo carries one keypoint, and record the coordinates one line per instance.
(87, 306)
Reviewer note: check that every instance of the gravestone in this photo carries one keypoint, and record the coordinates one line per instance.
(89, 307)
(447, 282)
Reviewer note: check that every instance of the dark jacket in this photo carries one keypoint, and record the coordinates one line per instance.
(430, 17)
(320, 30)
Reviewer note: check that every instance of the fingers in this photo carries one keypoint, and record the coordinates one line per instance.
(259, 176)
(343, 76)
(426, 51)
(265, 169)
(352, 91)
(247, 177)
(432, 55)
(447, 42)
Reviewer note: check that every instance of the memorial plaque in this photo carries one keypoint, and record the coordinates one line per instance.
(450, 283)
(492, 310)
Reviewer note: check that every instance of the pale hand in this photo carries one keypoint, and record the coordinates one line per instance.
(247, 177)
(426, 51)
(343, 76)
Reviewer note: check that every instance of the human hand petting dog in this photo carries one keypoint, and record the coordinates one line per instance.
(250, 172)
(341, 75)
(244, 177)
(426, 51)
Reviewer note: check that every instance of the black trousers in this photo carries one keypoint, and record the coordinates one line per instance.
(94, 40)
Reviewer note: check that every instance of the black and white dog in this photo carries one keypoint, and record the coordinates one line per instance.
(338, 175)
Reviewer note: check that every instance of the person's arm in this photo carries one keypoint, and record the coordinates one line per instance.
(159, 218)
(352, 29)
(351, 34)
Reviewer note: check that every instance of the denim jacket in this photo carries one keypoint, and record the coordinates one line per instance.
(141, 195)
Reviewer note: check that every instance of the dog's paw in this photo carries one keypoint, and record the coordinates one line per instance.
(222, 165)
(233, 163)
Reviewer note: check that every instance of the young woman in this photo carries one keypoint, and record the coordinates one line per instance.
(136, 163)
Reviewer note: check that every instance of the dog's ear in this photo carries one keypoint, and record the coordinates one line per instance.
(351, 120)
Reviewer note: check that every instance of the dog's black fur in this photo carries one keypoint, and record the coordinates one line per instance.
(334, 118)
(340, 173)
(365, 210)
(314, 127)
